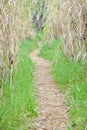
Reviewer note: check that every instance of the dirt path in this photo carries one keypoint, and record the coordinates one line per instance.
(52, 114)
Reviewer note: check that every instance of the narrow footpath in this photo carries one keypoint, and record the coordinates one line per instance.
(53, 112)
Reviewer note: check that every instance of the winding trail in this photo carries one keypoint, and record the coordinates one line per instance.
(53, 112)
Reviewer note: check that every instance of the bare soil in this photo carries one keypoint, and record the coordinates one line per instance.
(53, 112)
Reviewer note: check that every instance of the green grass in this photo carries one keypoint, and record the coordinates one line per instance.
(71, 78)
(77, 102)
(18, 103)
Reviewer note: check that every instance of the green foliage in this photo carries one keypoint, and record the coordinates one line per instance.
(77, 102)
(19, 102)
(50, 51)
(72, 79)
(39, 37)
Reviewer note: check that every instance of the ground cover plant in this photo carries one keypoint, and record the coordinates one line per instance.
(19, 102)
(71, 79)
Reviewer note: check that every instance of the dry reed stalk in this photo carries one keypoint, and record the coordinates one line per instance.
(73, 28)
(68, 20)
(15, 23)
(25, 14)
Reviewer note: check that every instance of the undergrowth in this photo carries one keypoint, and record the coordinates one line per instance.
(18, 104)
(71, 78)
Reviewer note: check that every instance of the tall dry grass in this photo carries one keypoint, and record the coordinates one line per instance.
(74, 30)
(68, 20)
(65, 19)
(7, 35)
(15, 24)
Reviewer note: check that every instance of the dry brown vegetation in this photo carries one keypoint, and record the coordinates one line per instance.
(15, 23)
(65, 19)
(68, 19)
